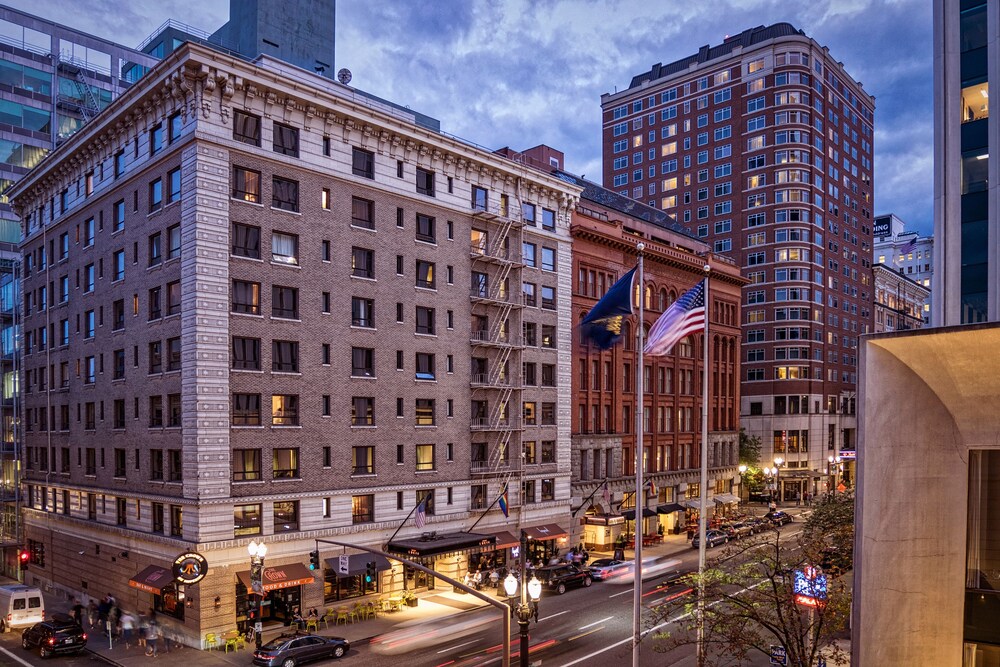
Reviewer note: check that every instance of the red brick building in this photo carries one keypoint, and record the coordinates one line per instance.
(762, 147)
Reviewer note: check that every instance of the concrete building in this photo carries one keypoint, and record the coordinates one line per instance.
(762, 146)
(906, 252)
(255, 310)
(899, 301)
(926, 554)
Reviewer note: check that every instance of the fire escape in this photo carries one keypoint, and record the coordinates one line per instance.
(496, 346)
(85, 103)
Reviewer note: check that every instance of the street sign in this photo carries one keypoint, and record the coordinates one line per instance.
(343, 564)
(778, 655)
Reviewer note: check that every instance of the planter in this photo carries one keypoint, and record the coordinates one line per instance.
(412, 602)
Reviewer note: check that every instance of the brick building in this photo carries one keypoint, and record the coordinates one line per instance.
(258, 307)
(762, 146)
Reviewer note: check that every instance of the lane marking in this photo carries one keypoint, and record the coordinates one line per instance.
(558, 613)
(590, 625)
(584, 634)
(622, 593)
(26, 664)
(452, 648)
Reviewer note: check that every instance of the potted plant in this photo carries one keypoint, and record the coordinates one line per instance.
(409, 599)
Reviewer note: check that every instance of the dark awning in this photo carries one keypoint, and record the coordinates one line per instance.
(669, 507)
(280, 576)
(505, 540)
(432, 544)
(630, 514)
(358, 564)
(152, 580)
(725, 498)
(548, 531)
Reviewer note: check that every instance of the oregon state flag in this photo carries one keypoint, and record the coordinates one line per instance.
(602, 327)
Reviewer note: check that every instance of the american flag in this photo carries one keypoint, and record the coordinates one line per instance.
(684, 317)
(420, 518)
(910, 245)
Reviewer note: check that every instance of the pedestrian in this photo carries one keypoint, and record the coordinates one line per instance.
(152, 635)
(128, 625)
(103, 611)
(76, 611)
(534, 610)
(477, 580)
(143, 629)
(494, 579)
(92, 613)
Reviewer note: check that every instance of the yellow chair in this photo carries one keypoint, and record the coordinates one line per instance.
(210, 641)
(327, 617)
(342, 615)
(355, 613)
(233, 641)
(312, 624)
(373, 608)
(293, 626)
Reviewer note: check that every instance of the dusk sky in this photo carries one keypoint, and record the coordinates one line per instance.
(524, 72)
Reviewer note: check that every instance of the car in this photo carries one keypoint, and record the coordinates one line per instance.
(60, 634)
(289, 650)
(712, 538)
(737, 529)
(608, 568)
(757, 524)
(557, 578)
(778, 518)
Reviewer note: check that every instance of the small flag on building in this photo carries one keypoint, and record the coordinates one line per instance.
(504, 507)
(683, 318)
(652, 488)
(602, 327)
(606, 494)
(420, 518)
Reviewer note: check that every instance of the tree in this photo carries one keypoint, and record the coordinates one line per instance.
(749, 449)
(751, 602)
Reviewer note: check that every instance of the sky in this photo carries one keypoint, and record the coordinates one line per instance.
(520, 73)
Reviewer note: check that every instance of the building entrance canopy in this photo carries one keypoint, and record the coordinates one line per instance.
(281, 576)
(433, 544)
(152, 580)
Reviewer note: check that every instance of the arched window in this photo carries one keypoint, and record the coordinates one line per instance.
(662, 301)
(649, 297)
(685, 348)
(627, 335)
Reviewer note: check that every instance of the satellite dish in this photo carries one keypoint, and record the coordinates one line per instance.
(344, 76)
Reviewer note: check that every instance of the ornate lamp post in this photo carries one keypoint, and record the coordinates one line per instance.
(834, 468)
(524, 609)
(257, 551)
(743, 470)
(778, 461)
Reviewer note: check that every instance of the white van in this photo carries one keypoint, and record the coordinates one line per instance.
(20, 606)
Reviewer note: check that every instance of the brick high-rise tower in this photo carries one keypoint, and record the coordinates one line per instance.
(762, 146)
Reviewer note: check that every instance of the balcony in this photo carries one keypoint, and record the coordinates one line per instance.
(493, 467)
(494, 424)
(485, 337)
(484, 380)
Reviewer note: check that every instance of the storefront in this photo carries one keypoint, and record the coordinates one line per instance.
(282, 592)
(545, 542)
(498, 559)
(354, 583)
(168, 595)
(727, 504)
(601, 531)
(447, 553)
(671, 517)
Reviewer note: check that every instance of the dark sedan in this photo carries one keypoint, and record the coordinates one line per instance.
(291, 650)
(57, 635)
(778, 518)
(712, 538)
(558, 578)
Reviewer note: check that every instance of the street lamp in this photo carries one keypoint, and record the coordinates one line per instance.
(257, 551)
(524, 609)
(778, 461)
(742, 470)
(834, 469)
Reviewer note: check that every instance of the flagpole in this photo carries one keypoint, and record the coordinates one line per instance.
(703, 514)
(639, 491)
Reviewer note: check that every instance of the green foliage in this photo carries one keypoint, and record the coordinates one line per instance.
(749, 449)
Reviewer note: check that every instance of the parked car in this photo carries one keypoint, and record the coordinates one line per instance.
(60, 634)
(778, 518)
(20, 606)
(712, 538)
(608, 568)
(557, 578)
(758, 524)
(737, 529)
(289, 650)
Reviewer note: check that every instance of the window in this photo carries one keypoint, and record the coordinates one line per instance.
(363, 460)
(246, 241)
(118, 268)
(362, 312)
(362, 213)
(286, 140)
(246, 354)
(425, 320)
(155, 307)
(156, 139)
(425, 182)
(286, 513)
(246, 298)
(363, 508)
(548, 259)
(246, 185)
(119, 164)
(118, 213)
(173, 354)
(284, 194)
(174, 298)
(425, 274)
(362, 362)
(155, 411)
(174, 185)
(284, 356)
(246, 465)
(285, 463)
(363, 163)
(425, 457)
(246, 519)
(528, 254)
(425, 228)
(362, 411)
(284, 302)
(173, 241)
(246, 410)
(155, 249)
(285, 248)
(424, 414)
(246, 128)
(548, 335)
(548, 297)
(285, 410)
(362, 263)
(155, 195)
(480, 198)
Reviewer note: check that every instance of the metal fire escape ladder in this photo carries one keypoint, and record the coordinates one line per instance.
(90, 107)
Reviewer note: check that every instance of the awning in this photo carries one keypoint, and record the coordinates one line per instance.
(505, 539)
(152, 580)
(668, 508)
(432, 544)
(280, 576)
(692, 503)
(630, 514)
(358, 564)
(548, 531)
(725, 498)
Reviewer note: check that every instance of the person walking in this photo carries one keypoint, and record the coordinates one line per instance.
(76, 611)
(152, 636)
(128, 625)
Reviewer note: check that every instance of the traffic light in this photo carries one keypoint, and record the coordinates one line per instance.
(314, 560)
(22, 557)
(370, 572)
